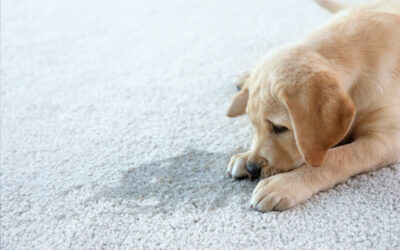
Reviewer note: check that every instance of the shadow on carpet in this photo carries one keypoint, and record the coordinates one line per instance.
(193, 180)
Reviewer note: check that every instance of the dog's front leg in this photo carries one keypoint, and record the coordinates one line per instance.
(237, 166)
(286, 190)
(242, 79)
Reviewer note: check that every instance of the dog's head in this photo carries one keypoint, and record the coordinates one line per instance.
(298, 110)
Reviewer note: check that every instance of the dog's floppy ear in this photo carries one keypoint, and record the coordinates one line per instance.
(321, 114)
(239, 103)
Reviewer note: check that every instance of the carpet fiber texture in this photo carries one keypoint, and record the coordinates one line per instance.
(114, 135)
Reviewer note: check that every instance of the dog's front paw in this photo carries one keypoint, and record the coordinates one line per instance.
(237, 166)
(242, 78)
(280, 192)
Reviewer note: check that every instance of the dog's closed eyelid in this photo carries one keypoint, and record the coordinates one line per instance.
(277, 129)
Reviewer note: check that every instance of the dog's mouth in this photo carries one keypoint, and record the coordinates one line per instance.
(267, 170)
(270, 171)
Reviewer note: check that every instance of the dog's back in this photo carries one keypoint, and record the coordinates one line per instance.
(373, 80)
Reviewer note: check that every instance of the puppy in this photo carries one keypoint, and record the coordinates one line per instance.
(323, 109)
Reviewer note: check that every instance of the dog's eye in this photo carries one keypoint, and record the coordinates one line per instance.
(278, 129)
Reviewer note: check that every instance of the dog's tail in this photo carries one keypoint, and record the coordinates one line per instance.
(331, 6)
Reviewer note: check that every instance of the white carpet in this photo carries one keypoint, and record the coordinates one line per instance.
(113, 132)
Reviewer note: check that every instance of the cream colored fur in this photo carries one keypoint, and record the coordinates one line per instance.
(338, 94)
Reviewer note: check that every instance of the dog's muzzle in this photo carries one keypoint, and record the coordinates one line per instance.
(253, 169)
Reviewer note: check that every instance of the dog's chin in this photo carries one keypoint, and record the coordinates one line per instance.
(269, 171)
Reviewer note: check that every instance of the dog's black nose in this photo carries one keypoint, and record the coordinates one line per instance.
(253, 169)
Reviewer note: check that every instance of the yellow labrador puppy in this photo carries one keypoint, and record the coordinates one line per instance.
(323, 109)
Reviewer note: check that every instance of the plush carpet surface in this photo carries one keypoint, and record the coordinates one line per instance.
(114, 135)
